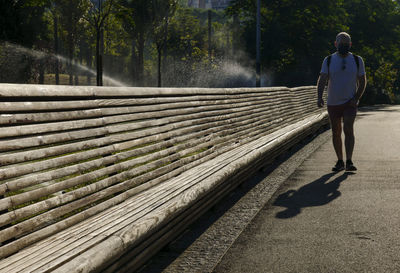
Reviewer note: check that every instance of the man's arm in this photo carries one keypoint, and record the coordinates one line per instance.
(322, 81)
(362, 83)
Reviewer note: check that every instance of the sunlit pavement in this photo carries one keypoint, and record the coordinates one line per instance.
(320, 221)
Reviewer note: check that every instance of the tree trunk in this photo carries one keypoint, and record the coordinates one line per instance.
(165, 47)
(258, 45)
(227, 48)
(134, 62)
(209, 36)
(70, 44)
(89, 66)
(159, 51)
(41, 71)
(56, 71)
(101, 54)
(98, 58)
(235, 35)
(140, 68)
(76, 73)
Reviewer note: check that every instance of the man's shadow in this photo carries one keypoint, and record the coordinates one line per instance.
(317, 193)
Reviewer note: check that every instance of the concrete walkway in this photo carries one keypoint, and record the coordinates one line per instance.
(320, 221)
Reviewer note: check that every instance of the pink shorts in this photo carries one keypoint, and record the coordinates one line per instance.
(339, 111)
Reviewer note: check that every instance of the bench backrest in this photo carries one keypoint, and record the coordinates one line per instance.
(68, 153)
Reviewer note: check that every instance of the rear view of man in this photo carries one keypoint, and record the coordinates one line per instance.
(346, 75)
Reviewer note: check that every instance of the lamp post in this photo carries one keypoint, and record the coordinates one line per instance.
(209, 36)
(258, 42)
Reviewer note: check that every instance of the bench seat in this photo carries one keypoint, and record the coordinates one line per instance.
(156, 160)
(81, 248)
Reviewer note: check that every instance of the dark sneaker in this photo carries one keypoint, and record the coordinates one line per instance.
(339, 166)
(350, 166)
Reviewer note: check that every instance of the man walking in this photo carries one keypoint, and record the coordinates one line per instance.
(346, 75)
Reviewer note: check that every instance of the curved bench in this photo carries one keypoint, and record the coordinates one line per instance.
(98, 179)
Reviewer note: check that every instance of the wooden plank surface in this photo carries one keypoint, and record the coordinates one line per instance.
(149, 223)
(122, 143)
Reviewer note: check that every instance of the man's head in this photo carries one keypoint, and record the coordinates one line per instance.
(343, 43)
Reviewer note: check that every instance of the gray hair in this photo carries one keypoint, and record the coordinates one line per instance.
(343, 36)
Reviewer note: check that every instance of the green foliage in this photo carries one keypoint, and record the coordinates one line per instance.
(382, 84)
(140, 34)
(297, 35)
(135, 17)
(186, 44)
(115, 37)
(71, 15)
(186, 36)
(22, 22)
(374, 26)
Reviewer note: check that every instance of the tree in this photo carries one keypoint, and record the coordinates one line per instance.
(98, 12)
(136, 19)
(55, 16)
(162, 11)
(116, 46)
(187, 47)
(382, 84)
(375, 33)
(22, 22)
(295, 35)
(72, 13)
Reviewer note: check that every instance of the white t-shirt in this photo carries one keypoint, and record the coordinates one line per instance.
(342, 77)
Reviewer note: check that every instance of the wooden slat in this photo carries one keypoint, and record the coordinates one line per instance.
(35, 90)
(17, 131)
(146, 92)
(33, 141)
(159, 108)
(18, 170)
(178, 102)
(27, 106)
(166, 109)
(47, 152)
(189, 113)
(9, 119)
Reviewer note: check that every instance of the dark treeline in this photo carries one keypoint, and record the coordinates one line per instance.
(297, 35)
(165, 43)
(139, 42)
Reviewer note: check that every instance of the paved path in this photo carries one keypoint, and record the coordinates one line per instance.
(320, 221)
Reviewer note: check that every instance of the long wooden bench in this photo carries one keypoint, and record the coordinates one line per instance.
(98, 179)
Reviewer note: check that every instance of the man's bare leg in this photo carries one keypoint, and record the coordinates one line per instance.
(336, 124)
(348, 128)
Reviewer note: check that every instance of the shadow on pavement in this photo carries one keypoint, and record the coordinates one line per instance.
(377, 108)
(316, 193)
(365, 111)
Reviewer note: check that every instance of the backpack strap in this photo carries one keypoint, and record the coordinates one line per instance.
(357, 60)
(328, 62)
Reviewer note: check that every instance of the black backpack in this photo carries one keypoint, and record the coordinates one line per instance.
(355, 59)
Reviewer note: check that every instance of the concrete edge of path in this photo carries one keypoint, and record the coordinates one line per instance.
(207, 250)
